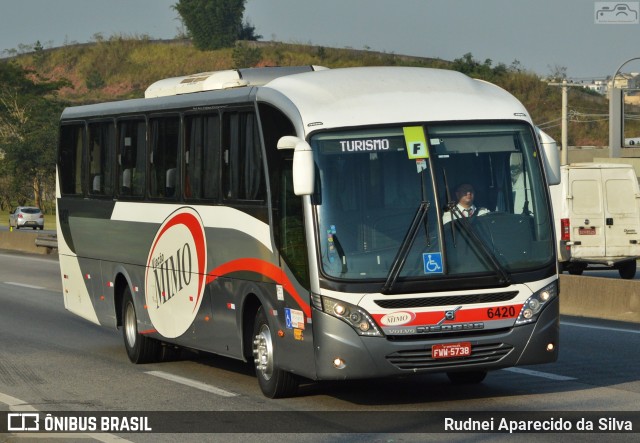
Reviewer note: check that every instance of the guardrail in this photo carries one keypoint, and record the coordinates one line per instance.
(49, 241)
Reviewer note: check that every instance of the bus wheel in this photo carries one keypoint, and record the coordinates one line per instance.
(140, 349)
(627, 270)
(274, 382)
(466, 378)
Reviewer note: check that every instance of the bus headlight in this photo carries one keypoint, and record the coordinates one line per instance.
(354, 316)
(536, 303)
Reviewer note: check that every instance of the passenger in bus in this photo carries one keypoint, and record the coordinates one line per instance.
(126, 182)
(170, 187)
(96, 187)
(465, 195)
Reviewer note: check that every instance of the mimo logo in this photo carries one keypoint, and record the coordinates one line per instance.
(176, 272)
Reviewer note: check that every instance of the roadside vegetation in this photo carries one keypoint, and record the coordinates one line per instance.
(38, 83)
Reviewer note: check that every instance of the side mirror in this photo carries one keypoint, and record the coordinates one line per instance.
(303, 165)
(550, 157)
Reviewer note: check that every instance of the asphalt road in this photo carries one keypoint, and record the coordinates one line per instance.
(53, 361)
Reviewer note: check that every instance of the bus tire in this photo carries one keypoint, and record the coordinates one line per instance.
(274, 382)
(140, 349)
(467, 378)
(627, 270)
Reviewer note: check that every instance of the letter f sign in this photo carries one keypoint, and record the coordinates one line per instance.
(417, 150)
(416, 142)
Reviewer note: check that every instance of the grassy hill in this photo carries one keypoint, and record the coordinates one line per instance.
(122, 67)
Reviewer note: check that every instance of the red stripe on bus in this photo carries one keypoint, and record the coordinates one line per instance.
(148, 331)
(264, 268)
(468, 315)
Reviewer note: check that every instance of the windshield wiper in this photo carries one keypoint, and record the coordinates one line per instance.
(341, 255)
(464, 223)
(405, 247)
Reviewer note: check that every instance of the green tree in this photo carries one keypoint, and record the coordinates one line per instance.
(245, 56)
(248, 32)
(28, 134)
(468, 65)
(213, 24)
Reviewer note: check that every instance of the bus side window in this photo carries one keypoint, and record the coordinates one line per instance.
(165, 140)
(131, 158)
(288, 216)
(293, 248)
(243, 171)
(101, 150)
(70, 159)
(202, 156)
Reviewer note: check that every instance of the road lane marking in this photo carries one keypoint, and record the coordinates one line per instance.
(604, 328)
(539, 374)
(192, 383)
(15, 404)
(23, 285)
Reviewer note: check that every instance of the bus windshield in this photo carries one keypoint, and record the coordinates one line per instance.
(386, 205)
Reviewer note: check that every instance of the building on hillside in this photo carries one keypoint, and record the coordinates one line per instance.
(627, 81)
(599, 86)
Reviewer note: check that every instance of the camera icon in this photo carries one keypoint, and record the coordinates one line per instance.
(616, 13)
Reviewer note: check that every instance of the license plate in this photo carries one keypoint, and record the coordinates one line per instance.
(587, 231)
(451, 350)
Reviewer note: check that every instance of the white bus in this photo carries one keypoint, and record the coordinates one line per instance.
(293, 218)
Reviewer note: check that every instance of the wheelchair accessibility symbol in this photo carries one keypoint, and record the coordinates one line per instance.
(432, 262)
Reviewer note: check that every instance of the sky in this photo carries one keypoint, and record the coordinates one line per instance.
(543, 35)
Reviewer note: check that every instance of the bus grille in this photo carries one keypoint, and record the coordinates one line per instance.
(425, 302)
(421, 358)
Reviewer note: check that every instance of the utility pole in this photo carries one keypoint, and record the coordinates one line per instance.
(565, 124)
(564, 148)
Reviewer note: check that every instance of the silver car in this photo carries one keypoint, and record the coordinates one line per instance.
(26, 217)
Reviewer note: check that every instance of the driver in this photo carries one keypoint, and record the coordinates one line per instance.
(464, 194)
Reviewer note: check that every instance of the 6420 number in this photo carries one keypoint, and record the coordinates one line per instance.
(501, 312)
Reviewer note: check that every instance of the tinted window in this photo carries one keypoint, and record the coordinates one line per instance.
(70, 159)
(101, 151)
(30, 210)
(202, 156)
(132, 158)
(165, 140)
(243, 169)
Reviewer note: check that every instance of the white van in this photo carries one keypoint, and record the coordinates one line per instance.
(597, 217)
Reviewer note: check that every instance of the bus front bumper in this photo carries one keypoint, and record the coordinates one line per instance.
(343, 354)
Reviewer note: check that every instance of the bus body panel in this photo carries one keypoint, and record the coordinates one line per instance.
(365, 356)
(77, 297)
(141, 106)
(239, 265)
(343, 98)
(501, 341)
(198, 270)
